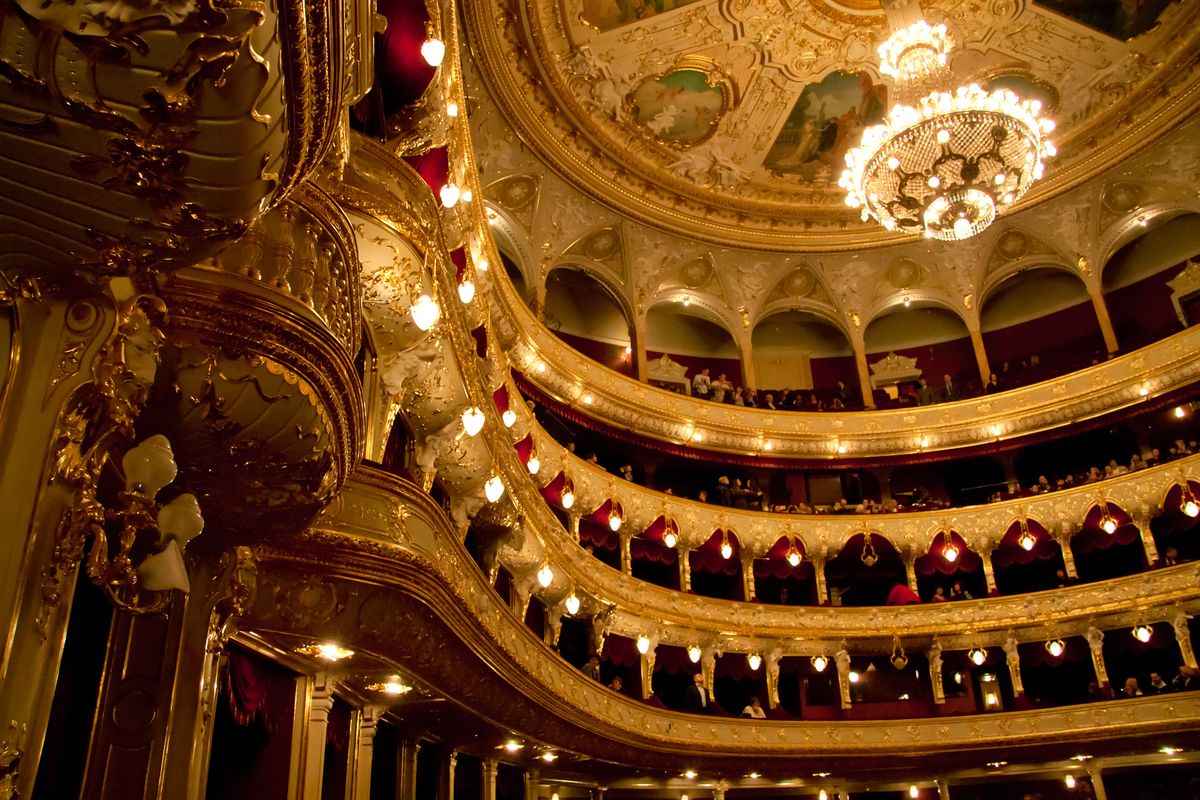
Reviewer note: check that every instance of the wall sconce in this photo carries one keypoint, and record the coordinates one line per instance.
(977, 655)
(425, 312)
(572, 604)
(755, 661)
(868, 556)
(694, 654)
(166, 529)
(1143, 633)
(949, 548)
(615, 514)
(466, 291)
(533, 464)
(793, 554)
(1056, 647)
(433, 49)
(670, 532)
(1107, 523)
(509, 418)
(1026, 540)
(643, 645)
(493, 489)
(545, 576)
(726, 546)
(568, 493)
(472, 420)
(819, 663)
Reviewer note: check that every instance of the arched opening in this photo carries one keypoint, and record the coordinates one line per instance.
(677, 330)
(1108, 545)
(620, 661)
(1039, 323)
(673, 671)
(585, 314)
(1051, 680)
(950, 570)
(1027, 559)
(716, 567)
(805, 352)
(515, 276)
(1152, 664)
(939, 341)
(651, 559)
(1177, 529)
(735, 683)
(1136, 292)
(865, 572)
(784, 575)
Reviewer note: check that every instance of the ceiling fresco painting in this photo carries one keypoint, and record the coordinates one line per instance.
(681, 106)
(1121, 19)
(608, 14)
(825, 122)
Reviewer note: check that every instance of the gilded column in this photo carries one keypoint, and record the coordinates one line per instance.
(772, 660)
(647, 669)
(1183, 635)
(311, 770)
(639, 348)
(989, 571)
(818, 563)
(446, 778)
(910, 569)
(981, 359)
(685, 571)
(935, 673)
(864, 374)
(748, 577)
(1106, 326)
(1097, 782)
(944, 789)
(489, 778)
(406, 780)
(1064, 542)
(1013, 657)
(626, 556)
(842, 660)
(1143, 526)
(1095, 640)
(531, 784)
(360, 779)
(708, 666)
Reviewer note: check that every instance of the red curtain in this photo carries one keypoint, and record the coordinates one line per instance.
(621, 650)
(646, 550)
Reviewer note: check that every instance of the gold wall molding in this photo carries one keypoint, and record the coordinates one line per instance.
(409, 591)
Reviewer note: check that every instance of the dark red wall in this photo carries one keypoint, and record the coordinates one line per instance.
(610, 355)
(1142, 312)
(1075, 327)
(730, 366)
(956, 358)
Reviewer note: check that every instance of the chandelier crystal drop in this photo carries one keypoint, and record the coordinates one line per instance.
(942, 163)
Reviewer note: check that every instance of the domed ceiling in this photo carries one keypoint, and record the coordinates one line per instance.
(691, 148)
(728, 120)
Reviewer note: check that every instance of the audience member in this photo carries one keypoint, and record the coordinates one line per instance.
(754, 710)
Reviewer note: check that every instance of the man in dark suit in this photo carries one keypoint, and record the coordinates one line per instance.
(949, 389)
(697, 699)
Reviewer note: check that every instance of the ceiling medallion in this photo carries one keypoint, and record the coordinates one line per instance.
(942, 163)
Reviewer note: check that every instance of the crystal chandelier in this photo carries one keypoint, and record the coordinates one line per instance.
(943, 163)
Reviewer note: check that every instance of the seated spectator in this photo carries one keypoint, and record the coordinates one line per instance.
(1187, 680)
(1136, 463)
(769, 402)
(1154, 458)
(993, 384)
(615, 684)
(592, 667)
(957, 592)
(1157, 685)
(842, 394)
(702, 496)
(1131, 687)
(739, 396)
(1061, 579)
(926, 396)
(626, 471)
(720, 388)
(1170, 556)
(754, 710)
(939, 596)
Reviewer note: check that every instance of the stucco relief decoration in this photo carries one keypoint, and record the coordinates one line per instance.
(903, 272)
(1012, 245)
(605, 15)
(800, 282)
(696, 272)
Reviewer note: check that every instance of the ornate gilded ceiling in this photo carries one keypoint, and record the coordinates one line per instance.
(727, 120)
